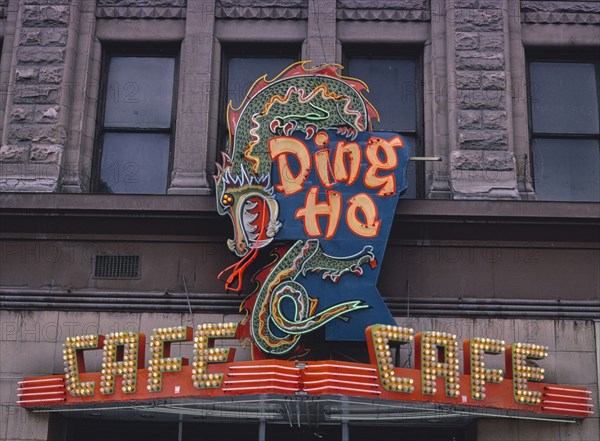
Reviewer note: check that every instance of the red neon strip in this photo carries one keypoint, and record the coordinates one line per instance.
(332, 380)
(564, 389)
(341, 366)
(40, 401)
(254, 374)
(337, 388)
(39, 393)
(560, 409)
(370, 377)
(568, 404)
(20, 389)
(260, 381)
(568, 397)
(263, 366)
(45, 380)
(233, 389)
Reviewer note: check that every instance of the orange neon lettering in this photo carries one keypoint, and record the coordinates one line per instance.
(323, 165)
(350, 153)
(386, 183)
(368, 209)
(313, 209)
(279, 149)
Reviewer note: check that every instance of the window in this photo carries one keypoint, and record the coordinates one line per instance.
(242, 67)
(564, 126)
(136, 122)
(395, 91)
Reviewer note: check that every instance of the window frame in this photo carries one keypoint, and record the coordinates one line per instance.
(244, 50)
(557, 55)
(114, 49)
(399, 52)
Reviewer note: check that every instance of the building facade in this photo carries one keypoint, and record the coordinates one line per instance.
(113, 115)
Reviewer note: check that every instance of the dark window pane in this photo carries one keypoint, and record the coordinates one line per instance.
(566, 169)
(564, 98)
(139, 92)
(243, 72)
(134, 163)
(392, 90)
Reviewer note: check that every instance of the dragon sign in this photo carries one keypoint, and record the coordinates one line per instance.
(304, 178)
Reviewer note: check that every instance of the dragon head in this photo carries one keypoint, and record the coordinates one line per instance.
(250, 203)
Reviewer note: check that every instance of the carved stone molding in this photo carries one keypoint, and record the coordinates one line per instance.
(574, 12)
(253, 9)
(560, 18)
(581, 6)
(384, 10)
(137, 12)
(142, 3)
(383, 14)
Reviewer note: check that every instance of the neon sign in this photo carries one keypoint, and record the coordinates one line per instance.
(304, 170)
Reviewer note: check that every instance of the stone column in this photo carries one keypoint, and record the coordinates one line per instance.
(439, 88)
(189, 174)
(38, 99)
(321, 42)
(482, 164)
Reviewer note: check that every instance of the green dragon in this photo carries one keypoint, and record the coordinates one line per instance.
(298, 99)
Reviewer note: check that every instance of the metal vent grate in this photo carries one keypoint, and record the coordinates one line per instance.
(117, 267)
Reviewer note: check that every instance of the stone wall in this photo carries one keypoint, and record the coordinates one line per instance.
(477, 57)
(482, 166)
(34, 133)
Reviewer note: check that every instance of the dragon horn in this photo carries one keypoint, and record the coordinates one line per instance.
(226, 159)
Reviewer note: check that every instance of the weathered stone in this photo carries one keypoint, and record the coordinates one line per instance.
(467, 160)
(14, 153)
(493, 80)
(37, 94)
(483, 184)
(46, 114)
(43, 37)
(467, 40)
(38, 133)
(51, 75)
(29, 177)
(494, 119)
(45, 15)
(490, 4)
(482, 139)
(26, 73)
(21, 114)
(54, 37)
(466, 79)
(479, 61)
(478, 20)
(481, 99)
(466, 4)
(469, 119)
(491, 41)
(498, 161)
(35, 55)
(46, 153)
(29, 37)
